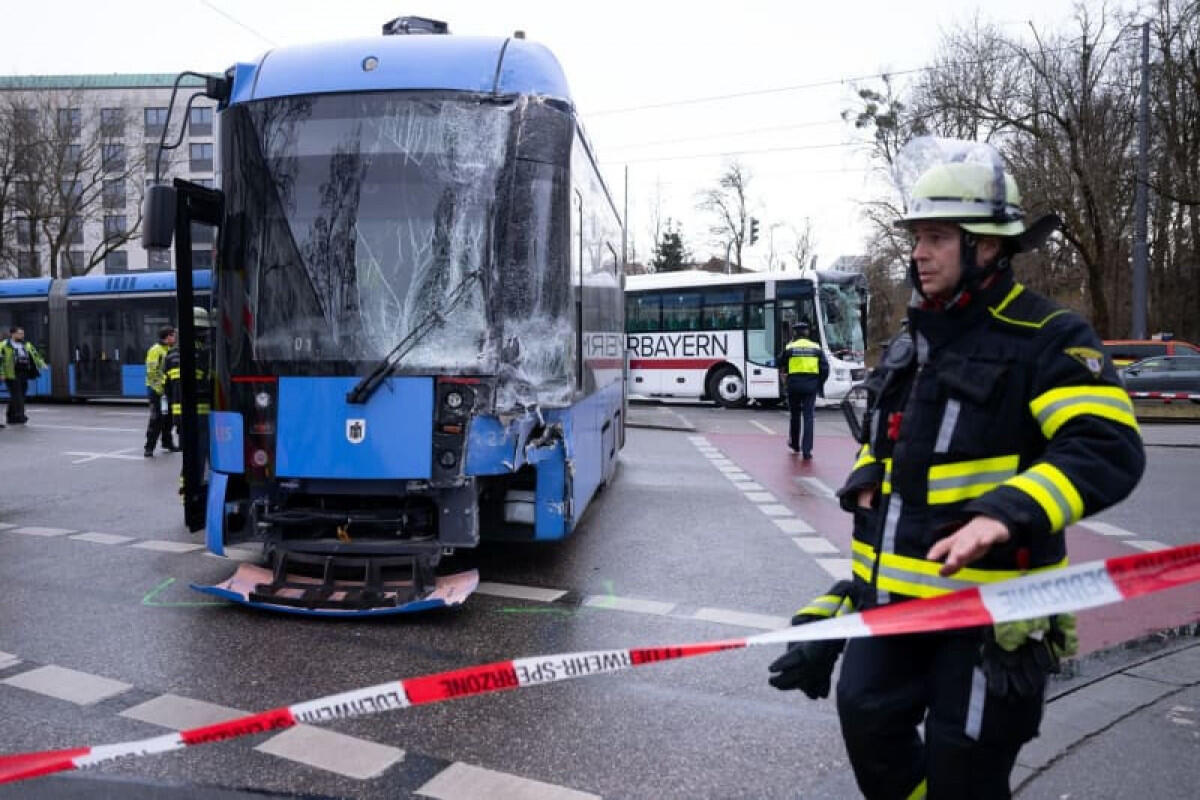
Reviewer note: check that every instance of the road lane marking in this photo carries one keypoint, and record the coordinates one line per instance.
(815, 544)
(514, 591)
(120, 455)
(751, 486)
(761, 427)
(461, 781)
(141, 414)
(80, 688)
(615, 603)
(818, 486)
(698, 440)
(794, 525)
(738, 477)
(165, 546)
(180, 713)
(333, 752)
(98, 428)
(1104, 529)
(36, 531)
(5, 526)
(837, 567)
(101, 538)
(8, 660)
(775, 510)
(237, 554)
(1149, 545)
(760, 497)
(742, 619)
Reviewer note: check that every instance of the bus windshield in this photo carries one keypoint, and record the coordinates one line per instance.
(354, 217)
(843, 320)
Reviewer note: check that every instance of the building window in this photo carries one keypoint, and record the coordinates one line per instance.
(75, 230)
(207, 183)
(71, 190)
(113, 157)
(158, 259)
(22, 226)
(202, 259)
(201, 121)
(114, 226)
(25, 194)
(152, 159)
(71, 262)
(112, 123)
(116, 261)
(156, 121)
(203, 234)
(202, 157)
(70, 122)
(71, 155)
(26, 120)
(27, 265)
(114, 193)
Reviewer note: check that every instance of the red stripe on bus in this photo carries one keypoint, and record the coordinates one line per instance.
(604, 363)
(673, 363)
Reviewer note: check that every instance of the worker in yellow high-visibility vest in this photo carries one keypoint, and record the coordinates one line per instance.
(806, 370)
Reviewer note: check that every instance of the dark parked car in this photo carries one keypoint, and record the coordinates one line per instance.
(1163, 374)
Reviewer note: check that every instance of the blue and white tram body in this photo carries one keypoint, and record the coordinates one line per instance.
(93, 330)
(418, 294)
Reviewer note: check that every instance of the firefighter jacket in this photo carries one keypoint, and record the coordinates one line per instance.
(174, 387)
(1003, 407)
(156, 377)
(805, 365)
(8, 360)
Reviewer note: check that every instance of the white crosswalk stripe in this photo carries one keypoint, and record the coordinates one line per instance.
(165, 546)
(36, 531)
(101, 538)
(180, 713)
(333, 752)
(462, 781)
(815, 544)
(71, 685)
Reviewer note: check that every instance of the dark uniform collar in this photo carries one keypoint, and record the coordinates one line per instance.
(940, 324)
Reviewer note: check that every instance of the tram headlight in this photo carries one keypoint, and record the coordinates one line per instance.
(263, 400)
(260, 458)
(454, 400)
(448, 458)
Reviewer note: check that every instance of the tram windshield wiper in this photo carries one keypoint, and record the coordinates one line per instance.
(366, 387)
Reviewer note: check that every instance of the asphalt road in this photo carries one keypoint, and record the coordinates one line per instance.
(95, 564)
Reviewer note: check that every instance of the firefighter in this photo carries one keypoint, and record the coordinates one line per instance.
(994, 422)
(159, 425)
(19, 362)
(174, 391)
(807, 370)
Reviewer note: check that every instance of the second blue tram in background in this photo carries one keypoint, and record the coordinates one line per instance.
(93, 330)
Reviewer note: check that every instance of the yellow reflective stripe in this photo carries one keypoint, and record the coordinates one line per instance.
(177, 408)
(1053, 492)
(173, 373)
(824, 606)
(963, 480)
(917, 577)
(886, 486)
(865, 459)
(1012, 295)
(919, 792)
(1055, 408)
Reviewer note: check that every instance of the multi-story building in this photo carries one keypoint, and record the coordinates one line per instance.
(108, 129)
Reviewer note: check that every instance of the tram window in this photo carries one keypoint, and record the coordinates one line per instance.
(681, 311)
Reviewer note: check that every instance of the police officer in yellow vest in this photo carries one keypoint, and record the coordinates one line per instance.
(994, 422)
(174, 390)
(159, 426)
(807, 370)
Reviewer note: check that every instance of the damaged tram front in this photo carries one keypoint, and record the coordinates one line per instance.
(417, 282)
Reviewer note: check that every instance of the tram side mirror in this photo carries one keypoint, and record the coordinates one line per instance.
(855, 409)
(158, 217)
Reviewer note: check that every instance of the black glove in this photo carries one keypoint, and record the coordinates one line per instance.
(807, 666)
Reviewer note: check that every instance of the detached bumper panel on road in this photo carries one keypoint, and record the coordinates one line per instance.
(448, 591)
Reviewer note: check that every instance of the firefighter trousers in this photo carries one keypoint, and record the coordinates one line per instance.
(890, 684)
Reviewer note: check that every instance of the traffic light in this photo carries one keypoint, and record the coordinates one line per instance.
(753, 230)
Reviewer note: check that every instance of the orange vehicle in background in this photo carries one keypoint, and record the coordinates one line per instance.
(1124, 352)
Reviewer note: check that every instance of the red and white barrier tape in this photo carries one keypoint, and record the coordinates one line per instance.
(1061, 591)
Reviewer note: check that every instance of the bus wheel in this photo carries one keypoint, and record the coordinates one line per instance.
(727, 387)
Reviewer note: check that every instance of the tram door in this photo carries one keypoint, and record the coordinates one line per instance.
(96, 351)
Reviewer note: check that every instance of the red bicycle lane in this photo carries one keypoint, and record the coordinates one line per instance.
(767, 459)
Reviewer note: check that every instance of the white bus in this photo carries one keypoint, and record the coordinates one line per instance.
(697, 334)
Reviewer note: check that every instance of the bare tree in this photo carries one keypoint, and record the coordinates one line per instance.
(728, 204)
(803, 243)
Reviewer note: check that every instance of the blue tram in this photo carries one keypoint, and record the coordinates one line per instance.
(419, 315)
(93, 330)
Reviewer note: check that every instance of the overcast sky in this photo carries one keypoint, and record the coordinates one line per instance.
(619, 58)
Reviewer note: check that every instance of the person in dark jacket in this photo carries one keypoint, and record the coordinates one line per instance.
(994, 422)
(806, 367)
(174, 389)
(159, 425)
(19, 362)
